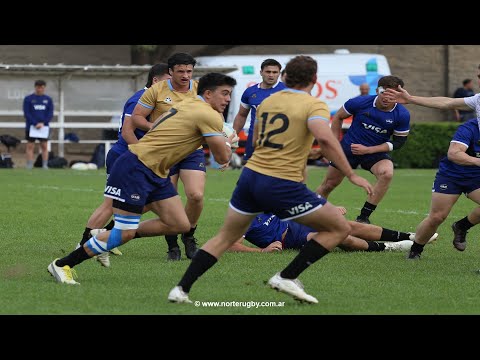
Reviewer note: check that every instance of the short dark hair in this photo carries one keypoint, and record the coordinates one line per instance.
(156, 70)
(466, 81)
(300, 71)
(270, 62)
(390, 82)
(181, 59)
(213, 80)
(40, 83)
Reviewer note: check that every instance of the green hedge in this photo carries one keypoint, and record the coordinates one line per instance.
(426, 145)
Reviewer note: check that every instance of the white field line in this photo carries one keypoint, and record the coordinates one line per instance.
(224, 200)
(48, 187)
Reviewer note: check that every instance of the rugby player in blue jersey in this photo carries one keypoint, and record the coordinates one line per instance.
(378, 127)
(268, 233)
(458, 172)
(253, 96)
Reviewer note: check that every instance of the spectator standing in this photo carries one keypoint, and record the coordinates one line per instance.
(38, 111)
(462, 92)
(364, 89)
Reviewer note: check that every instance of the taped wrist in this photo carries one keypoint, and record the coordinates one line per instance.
(397, 142)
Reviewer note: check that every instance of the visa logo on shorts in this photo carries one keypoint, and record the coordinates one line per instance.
(39, 107)
(113, 190)
(300, 208)
(267, 223)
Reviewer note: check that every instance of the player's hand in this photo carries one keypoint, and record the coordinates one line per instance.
(234, 140)
(39, 125)
(360, 181)
(275, 246)
(400, 96)
(359, 149)
(342, 210)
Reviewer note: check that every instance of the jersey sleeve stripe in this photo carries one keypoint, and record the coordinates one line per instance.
(246, 106)
(145, 105)
(459, 142)
(318, 117)
(346, 110)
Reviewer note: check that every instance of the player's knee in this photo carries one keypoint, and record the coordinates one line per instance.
(329, 185)
(195, 196)
(437, 218)
(386, 175)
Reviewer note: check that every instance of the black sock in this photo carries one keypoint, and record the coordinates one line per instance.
(191, 232)
(416, 248)
(403, 236)
(375, 246)
(171, 241)
(86, 235)
(74, 258)
(367, 210)
(110, 225)
(464, 224)
(309, 254)
(201, 262)
(392, 235)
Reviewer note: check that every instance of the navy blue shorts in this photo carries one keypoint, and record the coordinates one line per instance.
(112, 156)
(256, 193)
(133, 185)
(365, 161)
(447, 185)
(194, 161)
(296, 236)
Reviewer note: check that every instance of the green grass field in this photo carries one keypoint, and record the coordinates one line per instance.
(43, 215)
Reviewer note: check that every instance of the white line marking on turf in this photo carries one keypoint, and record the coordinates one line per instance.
(62, 188)
(407, 212)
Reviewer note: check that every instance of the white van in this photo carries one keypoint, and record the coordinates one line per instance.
(339, 75)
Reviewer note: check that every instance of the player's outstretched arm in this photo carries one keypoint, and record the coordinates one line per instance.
(439, 102)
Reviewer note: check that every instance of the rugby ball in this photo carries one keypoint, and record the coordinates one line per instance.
(227, 131)
(79, 166)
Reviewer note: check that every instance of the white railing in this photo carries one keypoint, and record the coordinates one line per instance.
(69, 125)
(65, 125)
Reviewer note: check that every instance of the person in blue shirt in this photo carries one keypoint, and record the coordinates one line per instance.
(268, 233)
(465, 91)
(253, 96)
(127, 134)
(458, 172)
(38, 111)
(378, 127)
